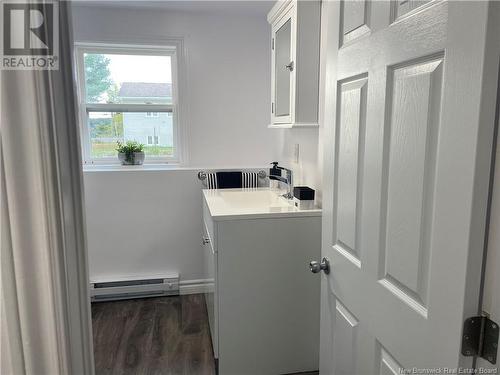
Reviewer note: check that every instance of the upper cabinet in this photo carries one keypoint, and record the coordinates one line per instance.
(295, 63)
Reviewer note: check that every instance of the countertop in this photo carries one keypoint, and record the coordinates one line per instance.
(231, 204)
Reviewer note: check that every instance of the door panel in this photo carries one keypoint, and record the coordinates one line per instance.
(387, 364)
(404, 7)
(347, 327)
(351, 126)
(414, 94)
(404, 193)
(354, 19)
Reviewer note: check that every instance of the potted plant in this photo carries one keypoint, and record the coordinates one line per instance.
(130, 153)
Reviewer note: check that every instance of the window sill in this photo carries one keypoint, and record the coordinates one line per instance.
(130, 168)
(162, 167)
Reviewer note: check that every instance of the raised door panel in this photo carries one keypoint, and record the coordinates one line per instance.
(387, 364)
(350, 129)
(345, 340)
(414, 94)
(354, 19)
(401, 8)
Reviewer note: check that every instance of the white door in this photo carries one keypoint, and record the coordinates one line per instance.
(491, 297)
(409, 114)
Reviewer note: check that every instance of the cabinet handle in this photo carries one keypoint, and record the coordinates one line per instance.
(289, 66)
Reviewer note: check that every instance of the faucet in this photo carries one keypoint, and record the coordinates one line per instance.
(287, 180)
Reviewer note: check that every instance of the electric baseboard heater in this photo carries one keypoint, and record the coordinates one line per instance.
(134, 287)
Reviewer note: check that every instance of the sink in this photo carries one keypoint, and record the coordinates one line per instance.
(234, 203)
(252, 199)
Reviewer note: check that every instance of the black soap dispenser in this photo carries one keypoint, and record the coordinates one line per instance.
(274, 171)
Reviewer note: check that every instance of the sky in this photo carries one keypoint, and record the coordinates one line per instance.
(134, 68)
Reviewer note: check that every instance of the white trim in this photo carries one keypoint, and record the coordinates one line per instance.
(289, 13)
(278, 9)
(196, 286)
(124, 107)
(175, 51)
(294, 125)
(164, 167)
(182, 113)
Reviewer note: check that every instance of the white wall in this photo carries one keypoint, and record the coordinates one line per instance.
(308, 169)
(228, 75)
(141, 222)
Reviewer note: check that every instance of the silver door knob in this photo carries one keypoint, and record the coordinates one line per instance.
(205, 240)
(316, 267)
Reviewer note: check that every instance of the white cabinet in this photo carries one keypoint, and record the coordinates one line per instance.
(210, 268)
(264, 307)
(295, 63)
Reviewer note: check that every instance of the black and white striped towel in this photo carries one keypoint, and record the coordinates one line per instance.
(248, 180)
(211, 180)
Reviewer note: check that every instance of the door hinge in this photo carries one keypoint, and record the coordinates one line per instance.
(272, 107)
(480, 338)
(272, 44)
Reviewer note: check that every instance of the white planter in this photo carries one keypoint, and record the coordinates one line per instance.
(136, 158)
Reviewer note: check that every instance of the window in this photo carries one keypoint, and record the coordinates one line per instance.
(128, 94)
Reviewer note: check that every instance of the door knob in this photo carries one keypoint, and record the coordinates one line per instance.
(205, 240)
(290, 66)
(316, 267)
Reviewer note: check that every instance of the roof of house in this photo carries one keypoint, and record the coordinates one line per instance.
(145, 90)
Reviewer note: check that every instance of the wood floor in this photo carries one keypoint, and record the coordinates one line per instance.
(167, 335)
(157, 336)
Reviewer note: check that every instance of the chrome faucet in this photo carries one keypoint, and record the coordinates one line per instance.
(288, 179)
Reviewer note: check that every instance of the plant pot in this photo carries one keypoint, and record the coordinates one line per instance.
(135, 158)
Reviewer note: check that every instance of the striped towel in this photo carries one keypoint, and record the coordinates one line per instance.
(211, 180)
(250, 179)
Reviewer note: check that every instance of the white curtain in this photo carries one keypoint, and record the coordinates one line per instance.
(45, 312)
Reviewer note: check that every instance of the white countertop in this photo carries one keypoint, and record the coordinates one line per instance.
(229, 204)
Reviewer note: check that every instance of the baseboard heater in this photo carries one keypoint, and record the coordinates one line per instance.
(134, 287)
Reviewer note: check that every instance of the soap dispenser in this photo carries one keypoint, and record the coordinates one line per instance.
(274, 171)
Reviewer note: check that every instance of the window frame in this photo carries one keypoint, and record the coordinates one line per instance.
(85, 108)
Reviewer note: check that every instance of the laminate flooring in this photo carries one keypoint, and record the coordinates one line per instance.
(153, 336)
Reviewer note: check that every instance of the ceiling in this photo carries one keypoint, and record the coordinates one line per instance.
(235, 7)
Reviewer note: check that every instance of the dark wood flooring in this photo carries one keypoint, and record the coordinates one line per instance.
(157, 336)
(166, 335)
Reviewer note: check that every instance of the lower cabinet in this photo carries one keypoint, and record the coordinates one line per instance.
(264, 306)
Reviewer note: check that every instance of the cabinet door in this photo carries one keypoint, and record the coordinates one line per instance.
(283, 68)
(210, 264)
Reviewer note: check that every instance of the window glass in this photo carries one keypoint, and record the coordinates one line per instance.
(121, 78)
(128, 95)
(107, 128)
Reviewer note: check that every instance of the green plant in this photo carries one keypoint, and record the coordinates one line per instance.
(97, 76)
(128, 148)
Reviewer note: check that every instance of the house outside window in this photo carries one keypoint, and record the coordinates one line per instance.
(128, 94)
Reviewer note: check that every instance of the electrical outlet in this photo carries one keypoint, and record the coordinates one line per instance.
(296, 153)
